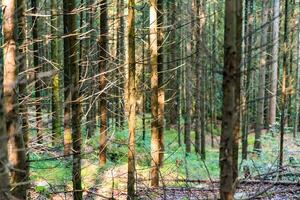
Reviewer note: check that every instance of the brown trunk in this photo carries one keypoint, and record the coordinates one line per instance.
(103, 49)
(4, 172)
(16, 147)
(155, 139)
(160, 69)
(132, 100)
(231, 99)
(70, 62)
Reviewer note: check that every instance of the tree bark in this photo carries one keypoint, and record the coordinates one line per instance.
(155, 139)
(103, 55)
(4, 171)
(56, 102)
(16, 147)
(131, 100)
(274, 73)
(296, 124)
(37, 68)
(262, 74)
(72, 95)
(231, 99)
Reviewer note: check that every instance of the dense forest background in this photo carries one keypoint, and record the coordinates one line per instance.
(156, 99)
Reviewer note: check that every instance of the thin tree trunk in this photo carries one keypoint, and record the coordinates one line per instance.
(160, 69)
(56, 102)
(188, 88)
(283, 89)
(274, 73)
(36, 63)
(103, 55)
(16, 147)
(231, 99)
(296, 124)
(155, 144)
(132, 100)
(262, 79)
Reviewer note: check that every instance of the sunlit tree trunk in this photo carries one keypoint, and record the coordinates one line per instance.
(261, 83)
(131, 100)
(274, 70)
(103, 56)
(4, 172)
(231, 99)
(16, 147)
(155, 144)
(160, 69)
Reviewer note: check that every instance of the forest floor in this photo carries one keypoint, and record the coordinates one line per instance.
(183, 177)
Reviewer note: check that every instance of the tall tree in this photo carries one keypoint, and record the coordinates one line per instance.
(156, 100)
(231, 98)
(56, 102)
(72, 74)
(297, 84)
(274, 70)
(4, 172)
(132, 99)
(188, 84)
(160, 81)
(16, 147)
(103, 54)
(284, 82)
(262, 77)
(37, 68)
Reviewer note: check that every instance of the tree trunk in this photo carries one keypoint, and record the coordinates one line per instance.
(16, 147)
(67, 78)
(231, 99)
(56, 102)
(72, 73)
(274, 73)
(296, 124)
(103, 56)
(188, 89)
(284, 81)
(4, 172)
(120, 61)
(262, 74)
(37, 68)
(155, 139)
(132, 100)
(160, 69)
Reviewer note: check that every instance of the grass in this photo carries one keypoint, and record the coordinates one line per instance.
(176, 165)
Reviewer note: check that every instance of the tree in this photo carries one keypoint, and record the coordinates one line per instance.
(274, 73)
(231, 98)
(72, 75)
(262, 79)
(16, 147)
(4, 172)
(56, 102)
(284, 86)
(103, 49)
(155, 137)
(131, 99)
(297, 85)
